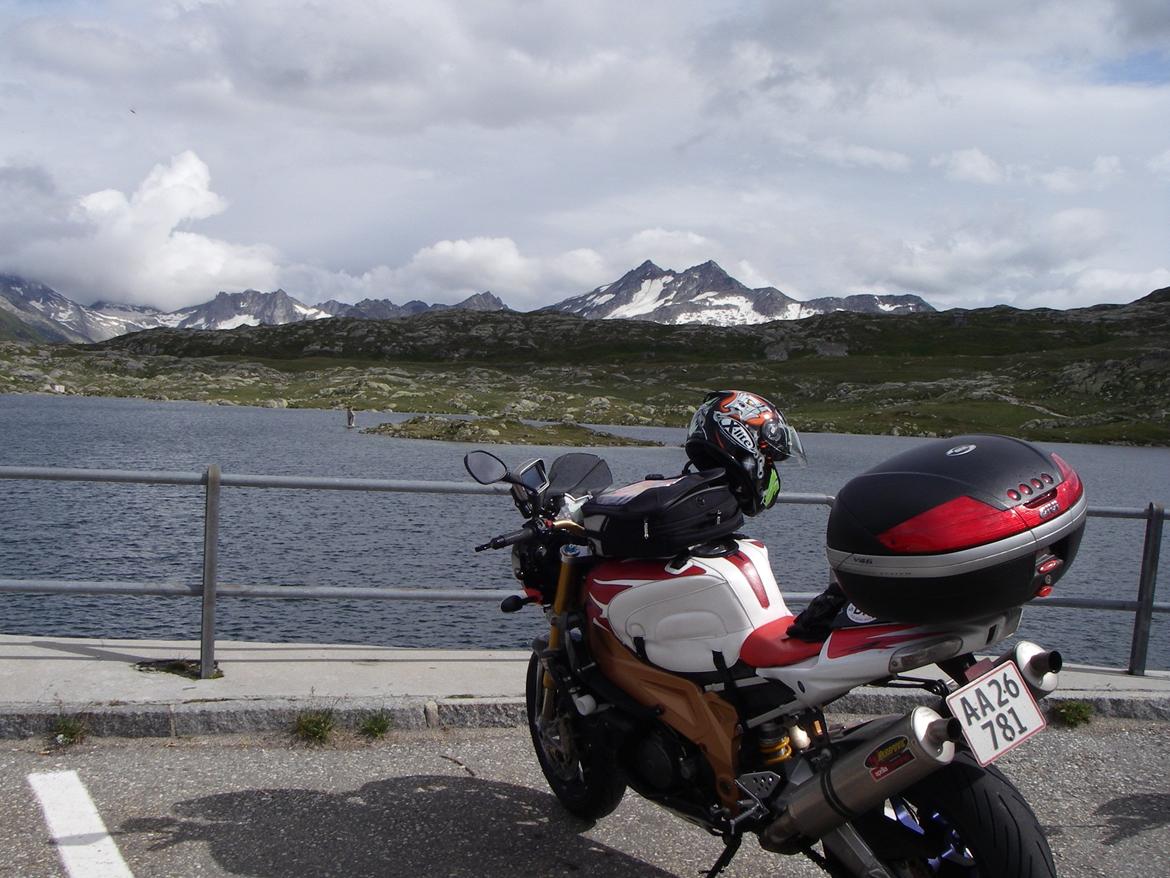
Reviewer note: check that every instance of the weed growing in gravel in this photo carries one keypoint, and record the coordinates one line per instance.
(1070, 713)
(375, 726)
(314, 726)
(189, 668)
(67, 731)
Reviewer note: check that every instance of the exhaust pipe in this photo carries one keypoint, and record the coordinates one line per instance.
(1039, 667)
(893, 756)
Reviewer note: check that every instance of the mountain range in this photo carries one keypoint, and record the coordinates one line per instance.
(708, 294)
(703, 294)
(33, 311)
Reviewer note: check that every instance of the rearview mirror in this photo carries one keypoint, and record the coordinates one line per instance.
(484, 467)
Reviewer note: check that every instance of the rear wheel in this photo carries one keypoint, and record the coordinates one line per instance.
(580, 770)
(961, 821)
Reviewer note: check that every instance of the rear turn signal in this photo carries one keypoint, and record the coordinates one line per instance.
(1070, 488)
(1047, 565)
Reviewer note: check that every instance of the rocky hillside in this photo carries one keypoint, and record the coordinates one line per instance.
(462, 336)
(1096, 375)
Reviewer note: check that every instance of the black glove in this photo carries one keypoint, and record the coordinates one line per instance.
(814, 623)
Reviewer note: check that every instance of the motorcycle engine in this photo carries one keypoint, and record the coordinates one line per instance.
(662, 762)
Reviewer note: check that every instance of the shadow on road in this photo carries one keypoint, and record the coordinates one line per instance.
(419, 826)
(1129, 815)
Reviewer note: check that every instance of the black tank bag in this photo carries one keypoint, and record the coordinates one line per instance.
(660, 517)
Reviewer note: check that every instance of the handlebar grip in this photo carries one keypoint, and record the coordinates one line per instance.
(500, 542)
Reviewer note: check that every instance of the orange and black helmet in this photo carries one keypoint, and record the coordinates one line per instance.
(747, 436)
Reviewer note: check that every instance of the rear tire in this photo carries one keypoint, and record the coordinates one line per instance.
(582, 773)
(963, 820)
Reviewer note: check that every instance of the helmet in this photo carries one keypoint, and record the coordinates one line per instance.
(746, 436)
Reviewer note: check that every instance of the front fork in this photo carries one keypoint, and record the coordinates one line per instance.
(565, 581)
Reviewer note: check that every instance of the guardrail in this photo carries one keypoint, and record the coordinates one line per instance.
(213, 480)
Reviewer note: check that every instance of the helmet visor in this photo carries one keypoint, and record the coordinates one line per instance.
(780, 441)
(796, 447)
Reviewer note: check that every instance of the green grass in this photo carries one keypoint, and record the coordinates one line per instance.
(68, 730)
(1070, 713)
(375, 725)
(314, 726)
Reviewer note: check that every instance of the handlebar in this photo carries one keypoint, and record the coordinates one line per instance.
(518, 536)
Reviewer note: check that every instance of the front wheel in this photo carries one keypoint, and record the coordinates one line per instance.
(963, 820)
(582, 773)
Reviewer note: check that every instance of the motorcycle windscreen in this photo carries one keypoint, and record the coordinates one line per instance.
(579, 473)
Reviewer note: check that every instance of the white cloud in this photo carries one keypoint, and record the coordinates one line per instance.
(449, 271)
(667, 248)
(1159, 165)
(1004, 258)
(387, 148)
(855, 155)
(387, 65)
(468, 265)
(748, 275)
(1109, 285)
(1104, 171)
(83, 49)
(31, 208)
(135, 249)
(971, 166)
(576, 271)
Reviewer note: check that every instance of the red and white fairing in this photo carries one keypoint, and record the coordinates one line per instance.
(680, 616)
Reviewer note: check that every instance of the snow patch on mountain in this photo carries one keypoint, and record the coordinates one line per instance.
(644, 301)
(238, 320)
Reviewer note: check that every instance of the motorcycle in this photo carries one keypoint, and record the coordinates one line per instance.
(684, 676)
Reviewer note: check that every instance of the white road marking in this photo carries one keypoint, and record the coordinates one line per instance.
(86, 849)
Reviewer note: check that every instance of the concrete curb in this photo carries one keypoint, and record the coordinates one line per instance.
(210, 718)
(187, 720)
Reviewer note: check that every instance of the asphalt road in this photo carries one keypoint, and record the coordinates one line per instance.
(474, 804)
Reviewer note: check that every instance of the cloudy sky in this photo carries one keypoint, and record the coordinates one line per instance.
(1004, 151)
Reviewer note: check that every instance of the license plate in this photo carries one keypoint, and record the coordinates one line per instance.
(997, 712)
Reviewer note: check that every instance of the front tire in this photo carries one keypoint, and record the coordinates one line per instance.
(580, 770)
(963, 820)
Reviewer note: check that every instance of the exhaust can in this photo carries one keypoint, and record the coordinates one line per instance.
(894, 755)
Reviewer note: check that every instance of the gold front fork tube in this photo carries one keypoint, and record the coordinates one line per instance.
(560, 603)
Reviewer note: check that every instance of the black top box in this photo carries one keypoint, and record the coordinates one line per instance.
(956, 529)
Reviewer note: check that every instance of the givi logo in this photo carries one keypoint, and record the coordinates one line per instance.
(960, 450)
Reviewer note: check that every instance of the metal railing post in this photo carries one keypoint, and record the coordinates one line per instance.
(210, 561)
(1147, 580)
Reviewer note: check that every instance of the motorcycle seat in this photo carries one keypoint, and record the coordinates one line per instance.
(769, 646)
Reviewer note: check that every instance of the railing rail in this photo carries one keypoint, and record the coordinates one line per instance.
(213, 480)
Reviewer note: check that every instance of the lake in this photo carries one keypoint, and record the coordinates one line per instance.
(57, 530)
